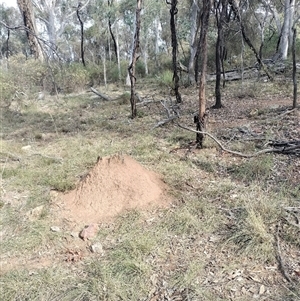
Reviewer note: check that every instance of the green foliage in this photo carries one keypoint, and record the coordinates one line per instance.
(166, 79)
(32, 74)
(7, 89)
(72, 78)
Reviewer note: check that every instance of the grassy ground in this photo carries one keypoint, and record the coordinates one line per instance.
(229, 234)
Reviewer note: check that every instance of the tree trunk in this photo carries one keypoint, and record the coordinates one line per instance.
(81, 34)
(173, 12)
(25, 7)
(220, 18)
(294, 68)
(195, 25)
(135, 56)
(285, 36)
(118, 52)
(110, 3)
(201, 119)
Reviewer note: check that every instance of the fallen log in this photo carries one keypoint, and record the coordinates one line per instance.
(100, 94)
(287, 147)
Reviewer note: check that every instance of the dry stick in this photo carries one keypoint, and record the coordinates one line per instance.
(264, 151)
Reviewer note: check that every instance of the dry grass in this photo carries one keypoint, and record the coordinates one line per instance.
(222, 219)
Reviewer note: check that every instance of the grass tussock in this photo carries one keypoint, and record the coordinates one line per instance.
(256, 214)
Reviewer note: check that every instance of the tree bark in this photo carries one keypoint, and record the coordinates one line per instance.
(286, 29)
(135, 56)
(173, 12)
(294, 68)
(220, 18)
(81, 33)
(110, 3)
(195, 26)
(201, 119)
(26, 9)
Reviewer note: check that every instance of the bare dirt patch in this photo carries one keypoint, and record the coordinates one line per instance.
(115, 184)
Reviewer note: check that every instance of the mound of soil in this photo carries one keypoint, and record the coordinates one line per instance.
(115, 184)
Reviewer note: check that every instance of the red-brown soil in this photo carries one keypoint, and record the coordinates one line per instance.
(115, 184)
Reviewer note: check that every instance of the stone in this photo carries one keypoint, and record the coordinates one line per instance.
(26, 147)
(55, 229)
(35, 213)
(97, 248)
(89, 232)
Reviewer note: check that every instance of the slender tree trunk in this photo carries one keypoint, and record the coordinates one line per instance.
(81, 34)
(195, 26)
(50, 25)
(110, 3)
(201, 119)
(220, 18)
(118, 52)
(173, 13)
(145, 55)
(135, 56)
(26, 10)
(294, 67)
(156, 22)
(7, 44)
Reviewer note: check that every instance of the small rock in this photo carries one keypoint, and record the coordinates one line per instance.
(89, 232)
(74, 234)
(26, 147)
(55, 229)
(97, 248)
(262, 289)
(35, 213)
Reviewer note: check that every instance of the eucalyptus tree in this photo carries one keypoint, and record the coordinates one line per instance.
(201, 119)
(27, 12)
(11, 40)
(286, 30)
(56, 17)
(134, 56)
(173, 13)
(194, 30)
(221, 8)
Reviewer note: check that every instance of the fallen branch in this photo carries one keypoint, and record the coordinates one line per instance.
(287, 147)
(100, 94)
(264, 151)
(160, 123)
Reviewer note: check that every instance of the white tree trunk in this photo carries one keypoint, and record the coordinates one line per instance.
(286, 29)
(118, 51)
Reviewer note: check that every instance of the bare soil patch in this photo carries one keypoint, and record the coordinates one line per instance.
(115, 184)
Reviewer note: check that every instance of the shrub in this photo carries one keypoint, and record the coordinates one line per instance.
(166, 78)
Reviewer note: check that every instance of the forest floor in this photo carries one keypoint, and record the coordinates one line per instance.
(97, 206)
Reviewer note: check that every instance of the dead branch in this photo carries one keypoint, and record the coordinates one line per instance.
(287, 147)
(163, 122)
(264, 151)
(100, 94)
